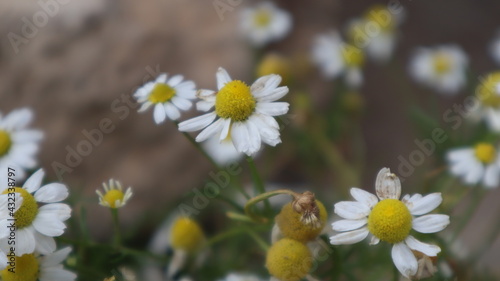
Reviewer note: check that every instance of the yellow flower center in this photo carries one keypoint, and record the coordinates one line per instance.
(161, 93)
(28, 210)
(235, 101)
(186, 235)
(353, 56)
(5, 142)
(442, 63)
(485, 152)
(487, 91)
(390, 221)
(26, 269)
(262, 18)
(289, 260)
(111, 196)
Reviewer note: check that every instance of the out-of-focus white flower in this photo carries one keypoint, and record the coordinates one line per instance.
(241, 113)
(222, 152)
(442, 68)
(335, 58)
(18, 144)
(488, 95)
(167, 96)
(478, 164)
(265, 23)
(113, 196)
(389, 219)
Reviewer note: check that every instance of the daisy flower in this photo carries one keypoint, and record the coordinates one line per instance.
(36, 226)
(442, 68)
(478, 164)
(31, 267)
(167, 97)
(241, 113)
(18, 144)
(389, 219)
(222, 152)
(335, 58)
(488, 94)
(113, 196)
(265, 23)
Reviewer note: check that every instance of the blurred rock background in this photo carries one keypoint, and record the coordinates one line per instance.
(83, 63)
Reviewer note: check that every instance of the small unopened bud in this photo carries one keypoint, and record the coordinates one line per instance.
(305, 204)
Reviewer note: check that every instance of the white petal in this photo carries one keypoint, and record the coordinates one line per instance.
(145, 106)
(206, 95)
(474, 173)
(26, 136)
(387, 185)
(425, 204)
(254, 137)
(240, 137)
(222, 78)
(431, 223)
(159, 113)
(162, 78)
(348, 225)
(44, 244)
(349, 237)
(460, 154)
(272, 108)
(427, 249)
(204, 105)
(33, 183)
(491, 176)
(225, 129)
(274, 95)
(56, 258)
(17, 119)
(364, 197)
(49, 225)
(60, 211)
(404, 260)
(181, 103)
(172, 111)
(174, 80)
(351, 210)
(197, 123)
(211, 130)
(265, 85)
(50, 193)
(56, 273)
(25, 241)
(268, 133)
(375, 240)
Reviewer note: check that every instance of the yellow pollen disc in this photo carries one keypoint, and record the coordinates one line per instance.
(5, 142)
(485, 152)
(442, 63)
(289, 260)
(161, 93)
(352, 56)
(235, 101)
(26, 269)
(28, 210)
(186, 235)
(487, 91)
(390, 221)
(262, 18)
(290, 224)
(111, 196)
(382, 17)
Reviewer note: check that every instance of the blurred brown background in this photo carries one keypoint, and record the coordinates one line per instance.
(83, 65)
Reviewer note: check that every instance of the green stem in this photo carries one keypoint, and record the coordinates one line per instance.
(262, 244)
(116, 228)
(477, 196)
(258, 183)
(261, 197)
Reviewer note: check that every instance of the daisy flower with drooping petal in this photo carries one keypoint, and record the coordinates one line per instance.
(241, 113)
(265, 23)
(113, 196)
(478, 164)
(334, 57)
(389, 219)
(31, 267)
(18, 144)
(167, 96)
(36, 226)
(488, 95)
(441, 68)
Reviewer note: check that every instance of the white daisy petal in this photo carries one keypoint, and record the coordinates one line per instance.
(387, 185)
(404, 260)
(272, 108)
(240, 137)
(274, 95)
(349, 237)
(265, 85)
(159, 113)
(25, 241)
(225, 129)
(348, 225)
(427, 249)
(352, 210)
(425, 204)
(50, 193)
(56, 273)
(491, 176)
(181, 103)
(56, 257)
(48, 225)
(175, 80)
(210, 130)
(222, 78)
(197, 123)
(364, 197)
(254, 137)
(172, 112)
(44, 244)
(375, 240)
(204, 105)
(34, 182)
(431, 223)
(59, 211)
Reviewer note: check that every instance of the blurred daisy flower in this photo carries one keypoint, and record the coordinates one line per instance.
(478, 164)
(36, 226)
(488, 94)
(168, 96)
(335, 58)
(113, 196)
(241, 277)
(376, 32)
(265, 23)
(244, 114)
(389, 219)
(18, 144)
(495, 47)
(441, 68)
(31, 267)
